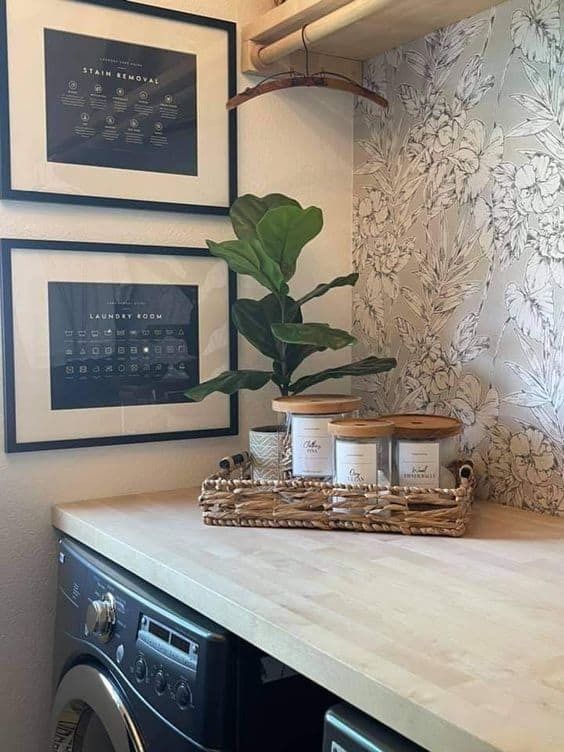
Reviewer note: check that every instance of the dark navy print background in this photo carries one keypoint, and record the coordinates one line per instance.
(120, 105)
(114, 345)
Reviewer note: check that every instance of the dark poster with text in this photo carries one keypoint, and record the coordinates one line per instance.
(113, 345)
(121, 105)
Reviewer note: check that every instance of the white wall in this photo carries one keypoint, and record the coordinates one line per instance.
(296, 142)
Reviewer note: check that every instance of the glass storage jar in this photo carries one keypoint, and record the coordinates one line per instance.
(361, 450)
(418, 454)
(304, 432)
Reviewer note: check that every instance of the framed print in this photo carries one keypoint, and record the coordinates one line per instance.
(101, 342)
(116, 103)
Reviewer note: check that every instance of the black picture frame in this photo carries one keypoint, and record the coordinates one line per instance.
(12, 445)
(8, 193)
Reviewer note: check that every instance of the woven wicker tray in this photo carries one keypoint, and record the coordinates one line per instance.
(230, 498)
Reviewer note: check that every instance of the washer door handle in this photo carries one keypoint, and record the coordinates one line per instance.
(86, 689)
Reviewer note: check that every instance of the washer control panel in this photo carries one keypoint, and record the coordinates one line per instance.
(166, 663)
(168, 642)
(101, 617)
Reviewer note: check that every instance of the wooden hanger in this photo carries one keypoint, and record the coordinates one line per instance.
(291, 79)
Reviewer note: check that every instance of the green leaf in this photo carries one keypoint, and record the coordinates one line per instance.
(254, 319)
(364, 367)
(240, 256)
(283, 232)
(319, 335)
(296, 354)
(250, 258)
(248, 210)
(229, 382)
(320, 290)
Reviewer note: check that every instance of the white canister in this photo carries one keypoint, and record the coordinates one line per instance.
(361, 449)
(306, 419)
(418, 448)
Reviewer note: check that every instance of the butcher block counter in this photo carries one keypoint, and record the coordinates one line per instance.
(456, 643)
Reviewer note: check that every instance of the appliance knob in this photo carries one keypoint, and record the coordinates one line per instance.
(101, 617)
(140, 669)
(182, 695)
(160, 682)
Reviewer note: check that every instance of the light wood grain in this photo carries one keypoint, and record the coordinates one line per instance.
(417, 426)
(456, 643)
(284, 19)
(317, 404)
(390, 24)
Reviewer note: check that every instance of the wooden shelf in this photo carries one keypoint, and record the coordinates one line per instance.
(344, 33)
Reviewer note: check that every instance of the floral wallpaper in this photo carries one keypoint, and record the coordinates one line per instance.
(459, 241)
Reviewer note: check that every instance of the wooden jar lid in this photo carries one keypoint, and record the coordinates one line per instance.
(421, 426)
(361, 428)
(317, 404)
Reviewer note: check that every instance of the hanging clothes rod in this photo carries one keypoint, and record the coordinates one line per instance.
(357, 10)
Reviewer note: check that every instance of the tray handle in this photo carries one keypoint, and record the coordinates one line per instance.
(463, 471)
(239, 462)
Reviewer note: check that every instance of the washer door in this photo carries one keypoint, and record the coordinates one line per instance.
(89, 715)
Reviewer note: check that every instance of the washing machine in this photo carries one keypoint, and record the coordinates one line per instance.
(137, 671)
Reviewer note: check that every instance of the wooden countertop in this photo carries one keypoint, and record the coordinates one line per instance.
(456, 643)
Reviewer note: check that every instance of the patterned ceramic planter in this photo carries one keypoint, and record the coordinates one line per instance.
(265, 443)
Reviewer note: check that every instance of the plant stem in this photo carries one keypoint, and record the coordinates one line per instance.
(283, 360)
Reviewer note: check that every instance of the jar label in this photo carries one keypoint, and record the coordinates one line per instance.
(355, 462)
(418, 463)
(311, 446)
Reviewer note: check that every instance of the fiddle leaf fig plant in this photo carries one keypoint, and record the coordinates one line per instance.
(271, 233)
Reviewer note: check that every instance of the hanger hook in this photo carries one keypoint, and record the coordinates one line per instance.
(306, 48)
